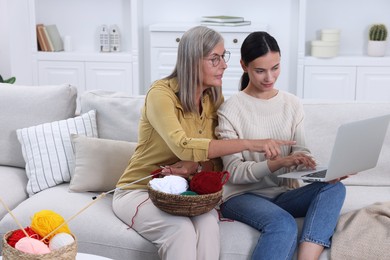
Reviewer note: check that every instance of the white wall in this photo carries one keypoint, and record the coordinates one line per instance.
(15, 40)
(5, 63)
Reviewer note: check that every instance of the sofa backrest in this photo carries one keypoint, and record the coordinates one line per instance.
(23, 106)
(118, 118)
(117, 114)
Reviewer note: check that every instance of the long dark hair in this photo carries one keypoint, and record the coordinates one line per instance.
(255, 45)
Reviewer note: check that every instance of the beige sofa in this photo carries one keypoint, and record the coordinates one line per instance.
(97, 229)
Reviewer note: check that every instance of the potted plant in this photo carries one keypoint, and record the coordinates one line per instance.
(10, 80)
(377, 40)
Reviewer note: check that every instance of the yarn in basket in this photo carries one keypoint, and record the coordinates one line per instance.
(46, 222)
(32, 246)
(208, 182)
(19, 234)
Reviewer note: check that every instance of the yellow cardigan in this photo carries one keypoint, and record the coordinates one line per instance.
(166, 135)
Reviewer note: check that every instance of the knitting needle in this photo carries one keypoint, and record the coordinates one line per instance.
(129, 184)
(12, 215)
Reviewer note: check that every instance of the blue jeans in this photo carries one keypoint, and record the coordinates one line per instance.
(320, 203)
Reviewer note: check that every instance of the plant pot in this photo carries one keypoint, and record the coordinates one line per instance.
(376, 48)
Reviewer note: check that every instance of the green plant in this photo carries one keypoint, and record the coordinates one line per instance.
(10, 80)
(378, 32)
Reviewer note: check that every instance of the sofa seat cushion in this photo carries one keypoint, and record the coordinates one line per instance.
(24, 106)
(12, 187)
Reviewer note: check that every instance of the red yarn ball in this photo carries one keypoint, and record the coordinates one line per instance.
(208, 182)
(18, 234)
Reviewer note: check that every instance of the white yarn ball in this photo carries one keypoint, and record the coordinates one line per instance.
(60, 240)
(171, 184)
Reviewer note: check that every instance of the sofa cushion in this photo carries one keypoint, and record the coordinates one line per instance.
(322, 121)
(99, 163)
(23, 106)
(117, 113)
(12, 187)
(48, 151)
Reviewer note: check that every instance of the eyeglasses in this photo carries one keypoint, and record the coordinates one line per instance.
(217, 58)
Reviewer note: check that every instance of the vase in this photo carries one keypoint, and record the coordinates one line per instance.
(376, 48)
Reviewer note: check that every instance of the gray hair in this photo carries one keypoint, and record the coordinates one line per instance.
(195, 44)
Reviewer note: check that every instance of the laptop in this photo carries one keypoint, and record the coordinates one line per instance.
(357, 147)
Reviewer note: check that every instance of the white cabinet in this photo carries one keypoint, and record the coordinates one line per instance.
(114, 76)
(85, 66)
(373, 84)
(329, 82)
(50, 73)
(164, 40)
(111, 76)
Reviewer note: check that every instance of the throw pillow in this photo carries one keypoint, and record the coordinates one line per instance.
(99, 163)
(48, 152)
(24, 106)
(125, 107)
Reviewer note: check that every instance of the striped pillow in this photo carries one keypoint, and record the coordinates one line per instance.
(48, 152)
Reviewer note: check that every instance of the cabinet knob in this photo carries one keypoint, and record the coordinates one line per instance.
(235, 40)
(177, 39)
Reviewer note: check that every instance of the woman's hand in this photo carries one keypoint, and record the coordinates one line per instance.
(271, 147)
(292, 160)
(181, 168)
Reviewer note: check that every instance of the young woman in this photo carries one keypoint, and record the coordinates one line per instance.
(177, 131)
(254, 194)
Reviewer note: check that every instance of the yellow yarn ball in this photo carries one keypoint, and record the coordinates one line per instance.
(45, 221)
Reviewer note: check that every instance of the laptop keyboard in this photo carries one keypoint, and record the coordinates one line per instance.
(320, 174)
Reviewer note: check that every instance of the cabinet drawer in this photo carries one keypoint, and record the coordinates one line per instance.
(234, 40)
(171, 39)
(165, 39)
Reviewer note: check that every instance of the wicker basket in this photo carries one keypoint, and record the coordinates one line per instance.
(64, 253)
(184, 205)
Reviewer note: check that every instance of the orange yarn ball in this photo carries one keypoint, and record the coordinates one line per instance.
(45, 222)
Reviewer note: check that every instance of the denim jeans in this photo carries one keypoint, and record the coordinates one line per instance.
(320, 203)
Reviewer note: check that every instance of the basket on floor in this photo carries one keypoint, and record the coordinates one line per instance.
(184, 205)
(64, 253)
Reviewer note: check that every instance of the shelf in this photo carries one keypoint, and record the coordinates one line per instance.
(185, 26)
(85, 56)
(347, 61)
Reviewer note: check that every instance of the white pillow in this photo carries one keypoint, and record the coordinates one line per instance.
(99, 163)
(48, 152)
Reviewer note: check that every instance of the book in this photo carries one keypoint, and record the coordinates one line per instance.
(55, 37)
(43, 40)
(222, 19)
(47, 40)
(226, 23)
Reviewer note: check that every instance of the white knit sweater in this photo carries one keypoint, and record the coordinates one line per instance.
(245, 117)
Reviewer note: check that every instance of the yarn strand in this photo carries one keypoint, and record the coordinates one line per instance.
(13, 216)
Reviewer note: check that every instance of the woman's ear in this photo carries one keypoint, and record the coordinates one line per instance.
(243, 66)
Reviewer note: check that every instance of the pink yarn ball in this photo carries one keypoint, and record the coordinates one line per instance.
(32, 246)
